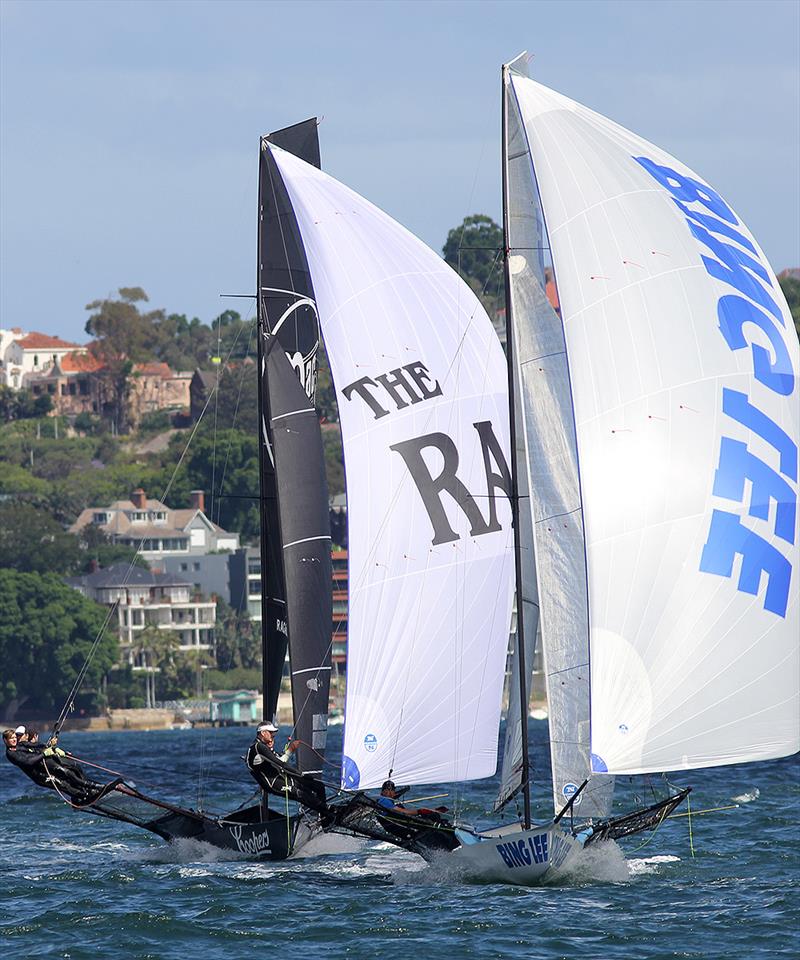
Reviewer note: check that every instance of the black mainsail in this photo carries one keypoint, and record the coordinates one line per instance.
(295, 530)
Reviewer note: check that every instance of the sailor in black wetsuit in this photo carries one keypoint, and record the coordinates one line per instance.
(275, 775)
(46, 766)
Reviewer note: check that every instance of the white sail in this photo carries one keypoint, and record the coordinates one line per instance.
(550, 465)
(527, 607)
(682, 362)
(422, 389)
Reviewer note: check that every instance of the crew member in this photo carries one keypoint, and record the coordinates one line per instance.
(274, 774)
(388, 800)
(47, 766)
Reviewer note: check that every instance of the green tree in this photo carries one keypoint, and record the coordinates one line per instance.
(123, 337)
(32, 541)
(237, 639)
(156, 651)
(22, 405)
(791, 290)
(46, 632)
(474, 249)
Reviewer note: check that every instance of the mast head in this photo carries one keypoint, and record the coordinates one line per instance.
(519, 65)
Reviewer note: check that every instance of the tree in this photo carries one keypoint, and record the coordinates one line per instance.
(237, 639)
(155, 650)
(474, 249)
(123, 337)
(22, 405)
(46, 632)
(791, 290)
(31, 541)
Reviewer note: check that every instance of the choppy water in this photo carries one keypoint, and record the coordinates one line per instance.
(76, 886)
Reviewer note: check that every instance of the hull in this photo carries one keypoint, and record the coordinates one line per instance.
(512, 855)
(252, 831)
(273, 839)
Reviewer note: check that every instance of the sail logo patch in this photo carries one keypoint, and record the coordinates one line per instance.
(748, 316)
(569, 790)
(370, 743)
(351, 775)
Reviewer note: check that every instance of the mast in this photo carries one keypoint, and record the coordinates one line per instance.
(510, 355)
(266, 482)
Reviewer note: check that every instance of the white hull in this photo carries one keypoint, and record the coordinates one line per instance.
(512, 855)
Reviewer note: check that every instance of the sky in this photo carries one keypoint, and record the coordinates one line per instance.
(129, 131)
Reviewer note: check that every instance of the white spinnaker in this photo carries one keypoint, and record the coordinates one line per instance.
(687, 668)
(428, 623)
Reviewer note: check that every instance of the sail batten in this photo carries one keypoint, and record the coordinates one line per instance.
(682, 366)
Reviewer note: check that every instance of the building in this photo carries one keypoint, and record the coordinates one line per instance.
(155, 386)
(158, 531)
(31, 353)
(148, 599)
(7, 337)
(234, 707)
(202, 386)
(70, 383)
(209, 575)
(340, 608)
(245, 582)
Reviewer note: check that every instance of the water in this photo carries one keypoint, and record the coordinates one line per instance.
(76, 886)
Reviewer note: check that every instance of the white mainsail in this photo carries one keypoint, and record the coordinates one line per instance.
(422, 388)
(551, 467)
(681, 363)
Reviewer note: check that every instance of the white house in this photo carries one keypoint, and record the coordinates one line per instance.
(31, 353)
(158, 531)
(148, 599)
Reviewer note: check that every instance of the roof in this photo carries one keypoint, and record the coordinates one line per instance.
(43, 341)
(155, 369)
(126, 575)
(80, 363)
(207, 378)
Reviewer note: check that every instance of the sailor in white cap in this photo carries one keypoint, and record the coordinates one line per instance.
(269, 769)
(20, 731)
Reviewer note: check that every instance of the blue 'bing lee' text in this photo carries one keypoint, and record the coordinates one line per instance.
(752, 305)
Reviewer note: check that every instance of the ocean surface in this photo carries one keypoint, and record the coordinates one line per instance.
(78, 886)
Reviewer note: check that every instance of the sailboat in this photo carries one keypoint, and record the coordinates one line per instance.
(653, 480)
(295, 556)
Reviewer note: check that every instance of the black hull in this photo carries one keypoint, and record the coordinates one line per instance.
(274, 839)
(252, 831)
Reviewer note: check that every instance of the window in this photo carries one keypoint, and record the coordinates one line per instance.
(100, 518)
(196, 565)
(36, 359)
(184, 566)
(137, 516)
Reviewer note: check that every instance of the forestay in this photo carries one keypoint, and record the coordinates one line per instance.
(421, 385)
(682, 359)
